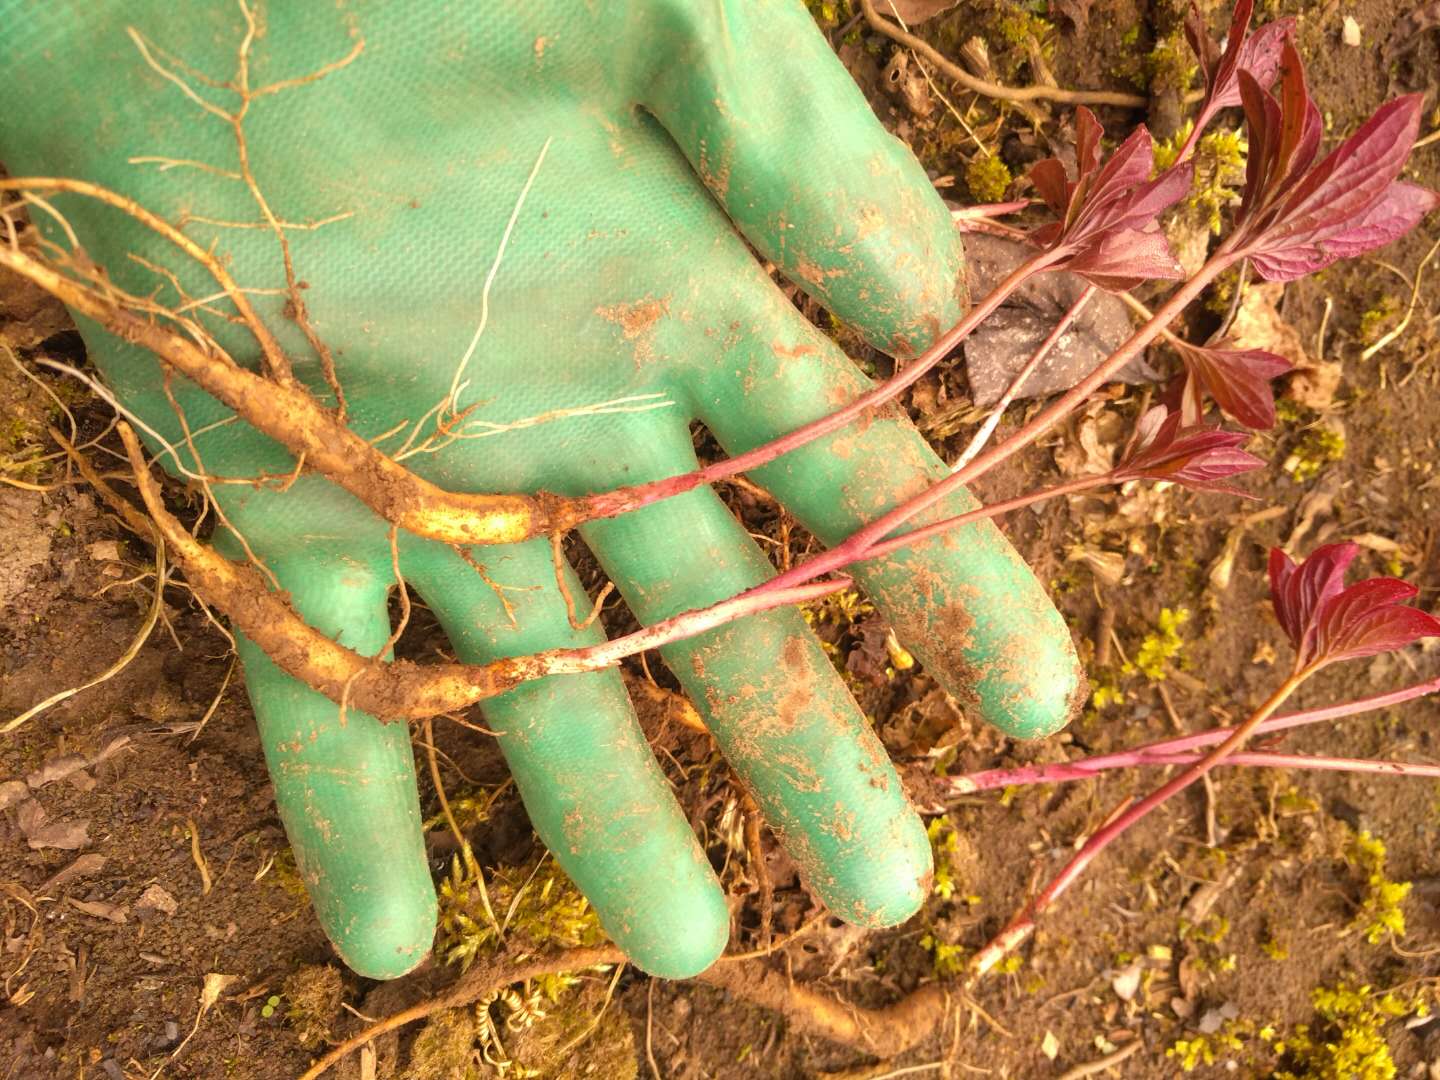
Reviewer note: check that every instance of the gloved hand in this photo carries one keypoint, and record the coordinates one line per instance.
(667, 127)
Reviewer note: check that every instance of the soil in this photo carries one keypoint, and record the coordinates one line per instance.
(1218, 917)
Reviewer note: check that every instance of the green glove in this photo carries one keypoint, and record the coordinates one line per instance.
(626, 306)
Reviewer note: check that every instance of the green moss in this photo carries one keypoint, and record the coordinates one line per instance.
(944, 843)
(542, 910)
(1171, 64)
(1191, 1053)
(1162, 647)
(1348, 1042)
(988, 178)
(1375, 322)
(947, 960)
(1318, 447)
(1381, 913)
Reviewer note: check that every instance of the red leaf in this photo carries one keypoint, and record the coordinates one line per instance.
(1257, 54)
(1398, 211)
(1295, 217)
(1050, 181)
(1121, 260)
(1354, 176)
(1297, 591)
(1196, 457)
(1238, 380)
(1369, 618)
(1327, 622)
(1107, 231)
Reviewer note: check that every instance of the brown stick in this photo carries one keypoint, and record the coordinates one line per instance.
(985, 86)
(475, 984)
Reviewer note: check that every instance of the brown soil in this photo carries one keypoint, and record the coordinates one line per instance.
(102, 980)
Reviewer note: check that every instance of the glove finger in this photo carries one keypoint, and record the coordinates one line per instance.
(776, 707)
(589, 781)
(345, 787)
(965, 602)
(786, 142)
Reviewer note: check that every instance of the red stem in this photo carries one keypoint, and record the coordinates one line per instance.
(684, 625)
(1024, 924)
(1086, 768)
(621, 500)
(1266, 759)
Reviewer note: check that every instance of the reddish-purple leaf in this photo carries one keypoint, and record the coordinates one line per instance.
(1121, 260)
(1107, 232)
(1238, 379)
(1197, 457)
(1398, 211)
(1298, 591)
(1258, 55)
(1296, 216)
(1050, 181)
(1354, 176)
(1327, 622)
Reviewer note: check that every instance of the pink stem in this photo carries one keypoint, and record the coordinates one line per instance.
(1024, 924)
(985, 211)
(684, 625)
(621, 500)
(1085, 768)
(1265, 759)
(981, 437)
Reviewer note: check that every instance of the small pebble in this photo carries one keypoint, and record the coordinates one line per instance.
(1350, 32)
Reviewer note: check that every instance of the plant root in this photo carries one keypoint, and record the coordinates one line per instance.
(470, 987)
(885, 1032)
(292, 417)
(989, 89)
(397, 689)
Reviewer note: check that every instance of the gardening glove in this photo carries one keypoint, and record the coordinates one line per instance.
(547, 205)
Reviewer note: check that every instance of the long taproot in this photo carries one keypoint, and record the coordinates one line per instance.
(289, 415)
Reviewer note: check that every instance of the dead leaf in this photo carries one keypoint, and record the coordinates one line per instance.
(1315, 386)
(99, 909)
(869, 658)
(1258, 325)
(155, 900)
(1004, 342)
(90, 863)
(40, 832)
(1092, 442)
(104, 550)
(57, 768)
(1107, 566)
(913, 11)
(1050, 1045)
(1126, 981)
(66, 766)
